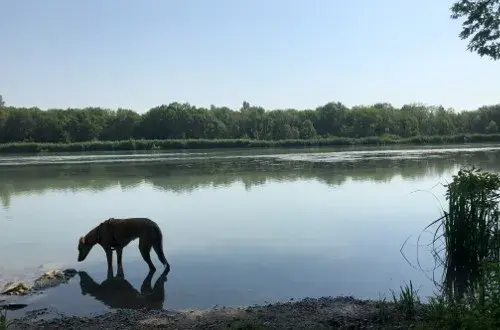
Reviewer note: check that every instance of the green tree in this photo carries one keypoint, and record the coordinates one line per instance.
(492, 127)
(307, 130)
(121, 125)
(481, 25)
(2, 102)
(184, 121)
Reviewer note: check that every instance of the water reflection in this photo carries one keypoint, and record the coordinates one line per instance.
(117, 292)
(190, 174)
(342, 220)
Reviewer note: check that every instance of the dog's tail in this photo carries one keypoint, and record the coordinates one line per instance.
(158, 247)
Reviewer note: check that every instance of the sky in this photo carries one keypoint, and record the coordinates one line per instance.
(275, 54)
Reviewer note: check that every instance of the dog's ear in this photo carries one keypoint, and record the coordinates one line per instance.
(82, 239)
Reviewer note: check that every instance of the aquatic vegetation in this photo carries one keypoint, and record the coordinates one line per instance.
(173, 144)
(470, 230)
(470, 234)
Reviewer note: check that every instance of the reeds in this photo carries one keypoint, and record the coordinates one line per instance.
(4, 324)
(470, 230)
(407, 301)
(141, 144)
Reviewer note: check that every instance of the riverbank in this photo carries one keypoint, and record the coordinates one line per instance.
(321, 313)
(35, 147)
(403, 311)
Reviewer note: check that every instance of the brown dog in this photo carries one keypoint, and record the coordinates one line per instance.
(115, 234)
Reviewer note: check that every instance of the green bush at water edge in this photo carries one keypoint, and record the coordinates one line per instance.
(31, 147)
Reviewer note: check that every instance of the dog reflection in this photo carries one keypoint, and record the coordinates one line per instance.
(117, 292)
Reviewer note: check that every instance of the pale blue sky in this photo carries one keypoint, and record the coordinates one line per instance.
(274, 53)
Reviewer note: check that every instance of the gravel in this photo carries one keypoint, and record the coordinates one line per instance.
(322, 313)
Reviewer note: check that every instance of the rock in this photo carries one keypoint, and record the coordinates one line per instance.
(47, 280)
(53, 278)
(70, 272)
(15, 288)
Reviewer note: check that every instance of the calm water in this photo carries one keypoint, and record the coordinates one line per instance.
(240, 227)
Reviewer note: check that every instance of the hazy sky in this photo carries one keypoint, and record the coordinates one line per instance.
(273, 53)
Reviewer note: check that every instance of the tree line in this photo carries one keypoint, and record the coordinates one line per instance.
(481, 26)
(185, 121)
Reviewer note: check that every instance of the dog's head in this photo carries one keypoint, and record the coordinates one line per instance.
(83, 249)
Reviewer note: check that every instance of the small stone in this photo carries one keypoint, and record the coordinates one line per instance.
(15, 288)
(53, 278)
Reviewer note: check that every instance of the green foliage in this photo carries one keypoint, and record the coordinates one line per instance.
(2, 102)
(407, 301)
(29, 147)
(470, 297)
(4, 323)
(492, 127)
(476, 311)
(481, 25)
(471, 230)
(379, 123)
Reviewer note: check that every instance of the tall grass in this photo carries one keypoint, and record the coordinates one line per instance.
(475, 311)
(4, 324)
(470, 231)
(141, 144)
(407, 301)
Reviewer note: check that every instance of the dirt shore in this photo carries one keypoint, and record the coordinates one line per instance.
(322, 313)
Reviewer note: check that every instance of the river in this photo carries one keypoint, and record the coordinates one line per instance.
(240, 227)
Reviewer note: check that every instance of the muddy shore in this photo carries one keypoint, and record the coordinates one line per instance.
(321, 313)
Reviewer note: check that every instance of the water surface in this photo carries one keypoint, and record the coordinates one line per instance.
(240, 227)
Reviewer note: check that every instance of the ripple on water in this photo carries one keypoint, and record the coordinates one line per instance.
(308, 156)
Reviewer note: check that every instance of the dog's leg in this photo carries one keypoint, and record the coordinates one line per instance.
(109, 274)
(109, 258)
(159, 252)
(119, 272)
(119, 252)
(146, 284)
(145, 249)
